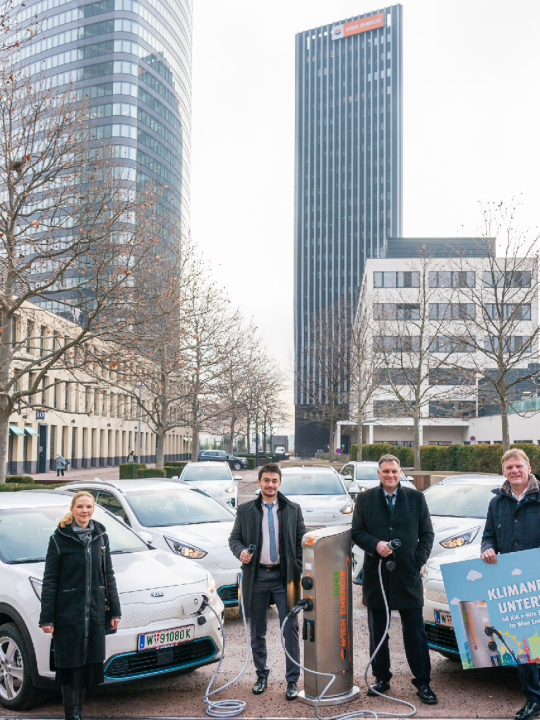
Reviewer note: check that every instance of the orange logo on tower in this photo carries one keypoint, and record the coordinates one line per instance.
(358, 26)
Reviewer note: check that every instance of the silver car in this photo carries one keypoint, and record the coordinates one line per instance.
(361, 476)
(320, 493)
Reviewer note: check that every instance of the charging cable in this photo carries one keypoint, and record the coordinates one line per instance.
(228, 708)
(357, 713)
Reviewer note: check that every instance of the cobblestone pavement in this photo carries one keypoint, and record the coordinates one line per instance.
(490, 693)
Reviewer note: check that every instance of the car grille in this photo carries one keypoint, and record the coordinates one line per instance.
(441, 638)
(435, 592)
(152, 662)
(229, 594)
(143, 614)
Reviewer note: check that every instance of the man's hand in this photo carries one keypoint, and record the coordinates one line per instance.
(114, 623)
(489, 556)
(383, 549)
(48, 629)
(245, 557)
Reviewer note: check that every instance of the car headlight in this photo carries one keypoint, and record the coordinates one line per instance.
(37, 586)
(464, 538)
(210, 583)
(361, 488)
(347, 510)
(185, 550)
(230, 489)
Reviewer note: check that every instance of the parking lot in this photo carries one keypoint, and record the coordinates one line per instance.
(462, 694)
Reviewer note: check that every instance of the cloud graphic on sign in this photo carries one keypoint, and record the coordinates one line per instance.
(455, 601)
(474, 575)
(517, 571)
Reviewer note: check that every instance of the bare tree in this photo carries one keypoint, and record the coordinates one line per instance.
(75, 229)
(503, 332)
(412, 338)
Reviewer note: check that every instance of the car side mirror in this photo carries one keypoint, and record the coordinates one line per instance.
(348, 478)
(410, 477)
(145, 537)
(237, 477)
(257, 491)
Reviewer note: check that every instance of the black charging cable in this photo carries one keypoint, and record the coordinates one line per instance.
(490, 632)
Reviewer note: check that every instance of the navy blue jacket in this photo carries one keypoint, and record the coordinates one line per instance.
(512, 526)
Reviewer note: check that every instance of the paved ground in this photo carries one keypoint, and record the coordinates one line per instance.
(493, 693)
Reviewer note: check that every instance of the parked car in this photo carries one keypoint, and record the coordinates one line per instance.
(236, 463)
(161, 595)
(175, 517)
(361, 476)
(458, 507)
(213, 478)
(320, 493)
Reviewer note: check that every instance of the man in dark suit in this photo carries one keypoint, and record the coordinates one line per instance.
(275, 526)
(392, 512)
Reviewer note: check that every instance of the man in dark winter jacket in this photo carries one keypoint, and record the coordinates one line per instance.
(381, 514)
(513, 524)
(275, 526)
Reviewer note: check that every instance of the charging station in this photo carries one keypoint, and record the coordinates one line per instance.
(327, 629)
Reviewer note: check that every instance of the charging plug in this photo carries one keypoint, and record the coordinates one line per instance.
(303, 604)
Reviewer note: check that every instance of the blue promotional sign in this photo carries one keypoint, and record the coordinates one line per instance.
(495, 609)
(40, 414)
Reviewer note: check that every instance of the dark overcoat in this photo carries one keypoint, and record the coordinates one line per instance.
(73, 596)
(512, 526)
(247, 531)
(409, 522)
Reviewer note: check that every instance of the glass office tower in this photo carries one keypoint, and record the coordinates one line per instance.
(348, 173)
(132, 59)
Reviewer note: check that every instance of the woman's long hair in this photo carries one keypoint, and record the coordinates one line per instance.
(69, 517)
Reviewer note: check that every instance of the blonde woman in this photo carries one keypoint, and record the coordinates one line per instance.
(78, 578)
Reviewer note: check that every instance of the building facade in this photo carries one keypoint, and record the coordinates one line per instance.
(85, 418)
(348, 175)
(131, 61)
(437, 304)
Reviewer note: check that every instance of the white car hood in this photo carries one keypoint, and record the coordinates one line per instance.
(320, 502)
(212, 487)
(142, 571)
(204, 535)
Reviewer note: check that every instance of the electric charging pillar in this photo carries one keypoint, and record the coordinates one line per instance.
(327, 629)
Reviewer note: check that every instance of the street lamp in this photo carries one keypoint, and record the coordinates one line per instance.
(140, 420)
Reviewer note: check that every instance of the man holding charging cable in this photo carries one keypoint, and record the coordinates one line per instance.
(272, 527)
(386, 513)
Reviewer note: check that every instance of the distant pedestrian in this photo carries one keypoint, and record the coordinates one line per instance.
(60, 465)
(131, 456)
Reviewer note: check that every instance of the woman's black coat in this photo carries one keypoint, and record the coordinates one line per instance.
(409, 522)
(73, 596)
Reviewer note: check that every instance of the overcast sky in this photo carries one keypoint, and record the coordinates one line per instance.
(471, 87)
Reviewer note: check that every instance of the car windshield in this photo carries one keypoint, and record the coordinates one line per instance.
(25, 533)
(311, 484)
(161, 508)
(455, 500)
(206, 472)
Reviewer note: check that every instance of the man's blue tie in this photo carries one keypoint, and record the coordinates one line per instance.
(272, 533)
(390, 501)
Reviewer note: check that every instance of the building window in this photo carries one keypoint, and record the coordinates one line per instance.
(396, 344)
(392, 279)
(453, 409)
(441, 344)
(510, 279)
(392, 408)
(452, 279)
(452, 311)
(461, 376)
(510, 311)
(396, 311)
(513, 344)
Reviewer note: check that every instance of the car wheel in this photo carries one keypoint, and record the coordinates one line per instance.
(237, 466)
(16, 689)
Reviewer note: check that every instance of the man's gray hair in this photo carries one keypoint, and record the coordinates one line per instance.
(389, 458)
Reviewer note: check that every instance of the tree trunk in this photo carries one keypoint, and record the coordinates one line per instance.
(416, 419)
(160, 448)
(4, 433)
(359, 431)
(504, 424)
(194, 441)
(331, 440)
(231, 438)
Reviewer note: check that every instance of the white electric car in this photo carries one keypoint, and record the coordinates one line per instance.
(174, 516)
(458, 508)
(361, 476)
(320, 493)
(215, 479)
(161, 595)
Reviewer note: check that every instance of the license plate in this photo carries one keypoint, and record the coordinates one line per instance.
(443, 618)
(149, 641)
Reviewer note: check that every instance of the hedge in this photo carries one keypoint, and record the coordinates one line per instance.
(145, 472)
(128, 470)
(354, 451)
(24, 479)
(14, 487)
(172, 471)
(175, 463)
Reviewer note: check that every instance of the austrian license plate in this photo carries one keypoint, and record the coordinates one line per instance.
(149, 641)
(443, 618)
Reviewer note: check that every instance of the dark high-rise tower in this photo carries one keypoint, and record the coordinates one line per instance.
(348, 174)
